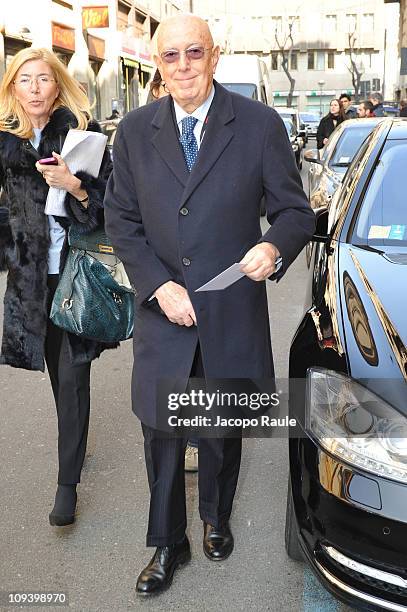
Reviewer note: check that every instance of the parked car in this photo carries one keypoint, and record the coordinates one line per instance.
(326, 172)
(247, 75)
(391, 110)
(293, 136)
(311, 121)
(294, 116)
(347, 496)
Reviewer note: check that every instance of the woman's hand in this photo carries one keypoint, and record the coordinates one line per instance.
(59, 176)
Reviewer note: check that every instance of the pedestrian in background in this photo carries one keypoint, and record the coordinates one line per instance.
(403, 108)
(209, 156)
(365, 110)
(328, 123)
(346, 101)
(39, 103)
(376, 99)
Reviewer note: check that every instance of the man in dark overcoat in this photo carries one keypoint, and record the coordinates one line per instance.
(182, 204)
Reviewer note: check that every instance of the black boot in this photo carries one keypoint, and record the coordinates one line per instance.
(63, 512)
(158, 574)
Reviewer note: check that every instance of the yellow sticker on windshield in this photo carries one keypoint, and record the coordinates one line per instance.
(379, 231)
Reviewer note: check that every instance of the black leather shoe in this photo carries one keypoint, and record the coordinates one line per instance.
(63, 512)
(158, 574)
(217, 543)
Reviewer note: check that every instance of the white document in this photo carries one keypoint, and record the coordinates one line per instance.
(224, 279)
(82, 150)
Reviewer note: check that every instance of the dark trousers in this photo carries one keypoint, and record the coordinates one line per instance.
(71, 389)
(219, 464)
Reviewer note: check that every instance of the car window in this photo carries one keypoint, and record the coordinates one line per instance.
(348, 145)
(249, 90)
(382, 218)
(289, 126)
(309, 117)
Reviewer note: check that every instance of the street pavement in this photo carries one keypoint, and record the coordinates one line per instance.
(96, 561)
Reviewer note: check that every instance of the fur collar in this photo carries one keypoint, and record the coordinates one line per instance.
(53, 134)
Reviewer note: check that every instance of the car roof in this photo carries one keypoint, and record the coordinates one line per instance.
(398, 130)
(285, 109)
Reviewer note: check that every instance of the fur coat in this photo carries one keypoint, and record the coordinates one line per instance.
(24, 241)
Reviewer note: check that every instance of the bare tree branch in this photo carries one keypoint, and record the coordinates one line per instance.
(355, 72)
(285, 47)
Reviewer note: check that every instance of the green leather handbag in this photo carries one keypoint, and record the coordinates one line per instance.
(94, 299)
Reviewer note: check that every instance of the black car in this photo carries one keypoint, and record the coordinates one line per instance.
(347, 497)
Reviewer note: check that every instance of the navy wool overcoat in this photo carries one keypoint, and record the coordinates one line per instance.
(169, 224)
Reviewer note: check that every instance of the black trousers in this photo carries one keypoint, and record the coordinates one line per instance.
(71, 388)
(219, 464)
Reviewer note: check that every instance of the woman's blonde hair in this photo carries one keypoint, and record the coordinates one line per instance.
(14, 119)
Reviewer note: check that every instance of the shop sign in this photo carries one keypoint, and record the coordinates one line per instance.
(136, 47)
(63, 37)
(95, 17)
(96, 47)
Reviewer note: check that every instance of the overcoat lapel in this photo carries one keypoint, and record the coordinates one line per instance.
(166, 142)
(217, 137)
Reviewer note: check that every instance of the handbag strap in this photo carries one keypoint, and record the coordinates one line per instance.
(95, 242)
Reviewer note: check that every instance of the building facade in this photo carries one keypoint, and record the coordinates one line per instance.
(325, 35)
(105, 45)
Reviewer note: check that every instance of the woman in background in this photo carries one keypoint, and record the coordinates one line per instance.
(328, 123)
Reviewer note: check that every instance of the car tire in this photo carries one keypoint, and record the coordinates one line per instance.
(292, 545)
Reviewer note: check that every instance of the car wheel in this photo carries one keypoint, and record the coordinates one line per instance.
(292, 545)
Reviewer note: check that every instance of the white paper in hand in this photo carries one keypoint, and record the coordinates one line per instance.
(82, 150)
(224, 279)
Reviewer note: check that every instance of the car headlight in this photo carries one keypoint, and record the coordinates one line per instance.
(356, 425)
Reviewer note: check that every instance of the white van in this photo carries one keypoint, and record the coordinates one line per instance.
(247, 75)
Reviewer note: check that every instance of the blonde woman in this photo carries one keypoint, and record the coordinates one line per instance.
(39, 103)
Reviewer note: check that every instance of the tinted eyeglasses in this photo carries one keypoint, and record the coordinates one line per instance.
(192, 53)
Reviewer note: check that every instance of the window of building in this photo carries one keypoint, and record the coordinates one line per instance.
(376, 84)
(294, 61)
(365, 89)
(367, 22)
(330, 60)
(330, 23)
(311, 60)
(320, 60)
(351, 22)
(276, 24)
(295, 20)
(274, 61)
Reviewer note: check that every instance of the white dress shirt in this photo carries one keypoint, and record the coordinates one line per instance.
(199, 114)
(56, 231)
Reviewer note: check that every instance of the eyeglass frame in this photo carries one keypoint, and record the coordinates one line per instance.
(30, 80)
(185, 52)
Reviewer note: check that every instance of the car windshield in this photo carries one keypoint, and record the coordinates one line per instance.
(244, 89)
(309, 117)
(289, 126)
(348, 145)
(382, 219)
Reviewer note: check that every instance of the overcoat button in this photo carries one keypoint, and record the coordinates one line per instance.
(186, 261)
(184, 211)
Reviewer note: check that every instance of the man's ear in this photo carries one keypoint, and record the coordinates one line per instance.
(215, 57)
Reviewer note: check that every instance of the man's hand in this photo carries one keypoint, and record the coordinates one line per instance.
(175, 303)
(260, 261)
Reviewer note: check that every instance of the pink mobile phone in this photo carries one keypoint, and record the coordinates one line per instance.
(48, 161)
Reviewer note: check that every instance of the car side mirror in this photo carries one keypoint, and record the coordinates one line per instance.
(321, 229)
(312, 156)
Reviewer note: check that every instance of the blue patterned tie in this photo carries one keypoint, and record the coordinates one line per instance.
(188, 141)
